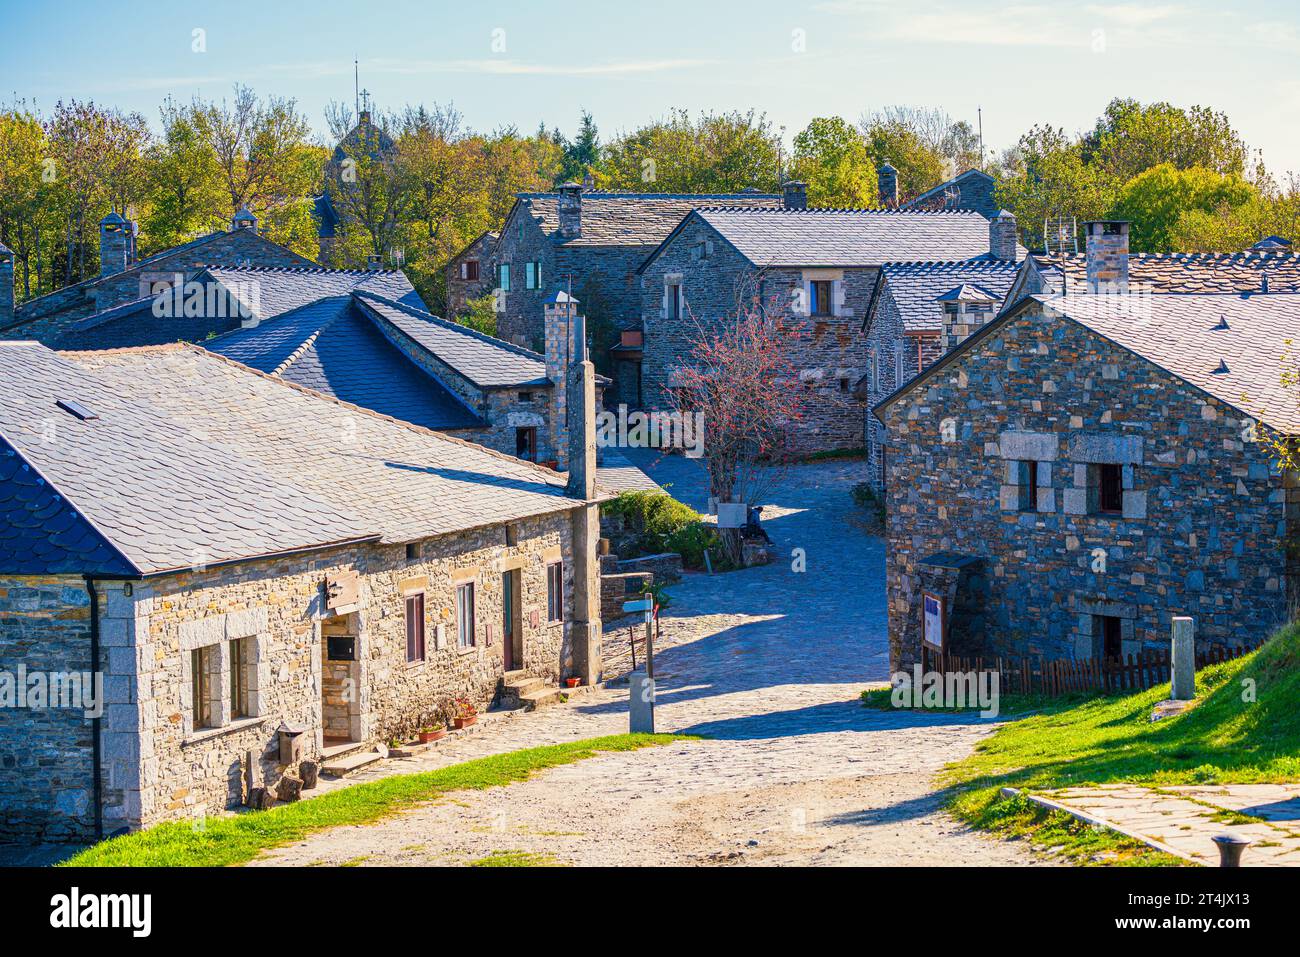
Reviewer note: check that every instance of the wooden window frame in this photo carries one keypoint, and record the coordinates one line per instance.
(555, 592)
(241, 653)
(1027, 483)
(465, 623)
(819, 305)
(414, 613)
(1110, 488)
(202, 713)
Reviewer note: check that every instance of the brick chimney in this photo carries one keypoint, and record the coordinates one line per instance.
(114, 242)
(585, 628)
(6, 285)
(570, 209)
(244, 219)
(887, 178)
(1106, 258)
(1002, 236)
(795, 195)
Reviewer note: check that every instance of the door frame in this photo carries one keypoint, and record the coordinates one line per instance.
(512, 619)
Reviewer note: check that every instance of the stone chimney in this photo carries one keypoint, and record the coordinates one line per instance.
(887, 177)
(1106, 258)
(6, 285)
(1002, 236)
(570, 209)
(795, 195)
(558, 314)
(585, 628)
(244, 219)
(114, 242)
(374, 263)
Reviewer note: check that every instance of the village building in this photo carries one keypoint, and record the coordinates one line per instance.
(342, 199)
(974, 191)
(817, 266)
(1084, 468)
(469, 274)
(263, 575)
(920, 310)
(589, 244)
(123, 278)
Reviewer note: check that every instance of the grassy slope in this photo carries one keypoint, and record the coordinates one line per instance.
(238, 838)
(1100, 740)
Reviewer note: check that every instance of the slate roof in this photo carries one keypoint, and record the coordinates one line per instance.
(283, 289)
(629, 219)
(1230, 346)
(935, 193)
(848, 237)
(194, 459)
(916, 287)
(1189, 272)
(480, 358)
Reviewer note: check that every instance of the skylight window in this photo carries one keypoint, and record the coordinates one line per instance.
(73, 407)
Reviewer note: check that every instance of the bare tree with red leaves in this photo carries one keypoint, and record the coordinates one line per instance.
(742, 379)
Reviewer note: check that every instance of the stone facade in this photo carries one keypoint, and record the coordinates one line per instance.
(832, 353)
(158, 766)
(1200, 520)
(469, 274)
(974, 190)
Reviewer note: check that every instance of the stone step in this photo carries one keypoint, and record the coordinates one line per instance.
(539, 698)
(515, 675)
(341, 767)
(521, 686)
(334, 750)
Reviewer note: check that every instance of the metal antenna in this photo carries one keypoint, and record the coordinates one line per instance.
(356, 85)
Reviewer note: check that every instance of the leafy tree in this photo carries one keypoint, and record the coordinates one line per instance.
(1048, 178)
(920, 165)
(185, 192)
(831, 157)
(1154, 200)
(715, 153)
(480, 314)
(582, 154)
(23, 194)
(1131, 137)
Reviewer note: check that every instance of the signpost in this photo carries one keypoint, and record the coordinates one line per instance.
(934, 618)
(641, 692)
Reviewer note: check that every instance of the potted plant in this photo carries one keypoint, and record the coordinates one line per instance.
(573, 682)
(464, 715)
(432, 732)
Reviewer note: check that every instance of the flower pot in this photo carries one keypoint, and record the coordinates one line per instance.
(459, 723)
(573, 682)
(427, 736)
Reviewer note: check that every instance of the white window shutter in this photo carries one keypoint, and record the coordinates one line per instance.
(837, 297)
(539, 274)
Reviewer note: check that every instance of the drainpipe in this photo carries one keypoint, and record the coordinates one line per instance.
(97, 773)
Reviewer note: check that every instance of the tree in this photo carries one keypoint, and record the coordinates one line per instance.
(1047, 177)
(480, 314)
(185, 192)
(920, 165)
(23, 193)
(741, 380)
(582, 154)
(1155, 200)
(1131, 137)
(716, 153)
(831, 157)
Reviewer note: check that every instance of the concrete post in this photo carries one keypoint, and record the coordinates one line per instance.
(1183, 657)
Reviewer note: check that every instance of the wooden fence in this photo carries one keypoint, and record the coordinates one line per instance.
(1062, 676)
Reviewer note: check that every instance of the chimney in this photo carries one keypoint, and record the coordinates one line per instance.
(558, 312)
(1002, 236)
(580, 390)
(113, 244)
(795, 195)
(584, 629)
(1107, 256)
(570, 207)
(374, 263)
(244, 219)
(887, 177)
(6, 285)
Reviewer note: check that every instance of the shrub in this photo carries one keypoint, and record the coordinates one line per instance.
(660, 523)
(866, 497)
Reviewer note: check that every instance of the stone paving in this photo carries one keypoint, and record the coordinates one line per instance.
(768, 663)
(1186, 817)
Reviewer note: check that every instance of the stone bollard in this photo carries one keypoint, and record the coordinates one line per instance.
(260, 799)
(1183, 659)
(289, 788)
(1231, 848)
(641, 703)
(310, 772)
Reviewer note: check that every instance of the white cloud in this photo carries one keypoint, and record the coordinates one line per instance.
(505, 67)
(1134, 14)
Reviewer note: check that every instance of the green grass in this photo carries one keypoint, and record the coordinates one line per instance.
(516, 859)
(239, 838)
(1222, 739)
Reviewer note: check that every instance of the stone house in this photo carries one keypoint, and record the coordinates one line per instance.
(920, 310)
(820, 265)
(125, 279)
(1084, 468)
(974, 191)
(469, 273)
(245, 560)
(363, 336)
(588, 244)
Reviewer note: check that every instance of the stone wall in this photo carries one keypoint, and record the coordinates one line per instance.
(45, 753)
(459, 291)
(519, 315)
(831, 353)
(1203, 511)
(158, 766)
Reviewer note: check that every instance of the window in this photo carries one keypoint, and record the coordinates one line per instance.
(820, 291)
(900, 366)
(415, 628)
(465, 615)
(241, 654)
(525, 397)
(526, 443)
(555, 591)
(413, 551)
(844, 384)
(1107, 485)
(469, 270)
(674, 301)
(532, 275)
(1108, 630)
(1027, 480)
(201, 668)
(503, 277)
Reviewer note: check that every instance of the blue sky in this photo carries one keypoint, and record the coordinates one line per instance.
(520, 63)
